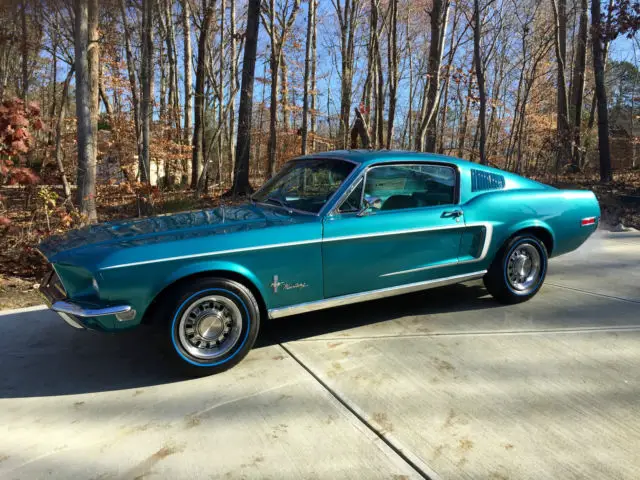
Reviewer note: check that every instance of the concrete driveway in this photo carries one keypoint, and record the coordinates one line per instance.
(442, 384)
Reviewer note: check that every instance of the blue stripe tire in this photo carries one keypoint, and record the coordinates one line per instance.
(178, 302)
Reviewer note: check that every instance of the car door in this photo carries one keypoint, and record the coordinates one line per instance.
(414, 236)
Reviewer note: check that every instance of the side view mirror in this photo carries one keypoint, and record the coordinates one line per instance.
(369, 204)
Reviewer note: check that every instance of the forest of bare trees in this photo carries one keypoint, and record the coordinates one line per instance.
(203, 95)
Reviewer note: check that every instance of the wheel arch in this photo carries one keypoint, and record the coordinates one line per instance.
(539, 230)
(229, 272)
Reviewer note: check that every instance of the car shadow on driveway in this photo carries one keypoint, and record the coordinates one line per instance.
(41, 356)
(454, 298)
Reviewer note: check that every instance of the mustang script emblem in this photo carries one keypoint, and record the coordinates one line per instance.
(276, 284)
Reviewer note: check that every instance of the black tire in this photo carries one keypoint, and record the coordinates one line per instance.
(208, 304)
(499, 279)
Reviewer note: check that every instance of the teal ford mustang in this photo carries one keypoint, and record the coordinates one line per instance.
(330, 229)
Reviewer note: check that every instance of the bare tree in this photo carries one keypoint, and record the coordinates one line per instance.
(24, 50)
(146, 81)
(578, 82)
(560, 26)
(439, 18)
(131, 71)
(392, 55)
(59, 126)
(235, 85)
(277, 21)
(197, 161)
(86, 178)
(188, 81)
(241, 185)
(597, 35)
(482, 115)
(93, 57)
(348, 12)
(311, 25)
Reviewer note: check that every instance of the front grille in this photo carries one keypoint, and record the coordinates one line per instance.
(51, 287)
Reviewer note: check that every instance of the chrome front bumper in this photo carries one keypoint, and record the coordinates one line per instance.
(72, 313)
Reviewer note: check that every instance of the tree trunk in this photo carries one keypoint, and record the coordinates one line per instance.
(59, 127)
(24, 51)
(233, 74)
(108, 109)
(278, 26)
(347, 19)
(594, 100)
(311, 22)
(274, 65)
(411, 91)
(360, 130)
(86, 177)
(166, 19)
(284, 94)
(197, 159)
(462, 133)
(578, 82)
(131, 73)
(477, 34)
(453, 47)
(393, 70)
(54, 83)
(379, 128)
(601, 93)
(222, 74)
(560, 40)
(188, 85)
(241, 184)
(370, 86)
(93, 57)
(439, 18)
(314, 63)
(161, 65)
(146, 81)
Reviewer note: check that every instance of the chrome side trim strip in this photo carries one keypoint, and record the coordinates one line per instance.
(372, 295)
(483, 254)
(420, 269)
(488, 236)
(78, 311)
(211, 254)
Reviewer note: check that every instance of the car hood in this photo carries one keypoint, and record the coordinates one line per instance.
(163, 228)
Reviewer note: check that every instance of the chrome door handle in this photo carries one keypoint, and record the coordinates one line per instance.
(452, 214)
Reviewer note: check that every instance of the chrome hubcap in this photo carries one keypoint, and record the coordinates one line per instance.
(524, 267)
(210, 327)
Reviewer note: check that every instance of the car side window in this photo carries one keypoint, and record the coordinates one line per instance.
(411, 186)
(353, 203)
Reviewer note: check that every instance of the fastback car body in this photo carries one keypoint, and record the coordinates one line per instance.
(331, 229)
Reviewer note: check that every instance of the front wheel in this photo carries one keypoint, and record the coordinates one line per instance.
(518, 271)
(212, 324)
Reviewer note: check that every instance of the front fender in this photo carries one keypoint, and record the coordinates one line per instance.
(213, 266)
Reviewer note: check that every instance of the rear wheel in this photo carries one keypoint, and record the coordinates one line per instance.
(211, 324)
(518, 271)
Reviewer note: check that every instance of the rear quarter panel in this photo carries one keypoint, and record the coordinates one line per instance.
(559, 212)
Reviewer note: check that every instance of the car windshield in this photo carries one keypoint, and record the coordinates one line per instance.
(305, 185)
